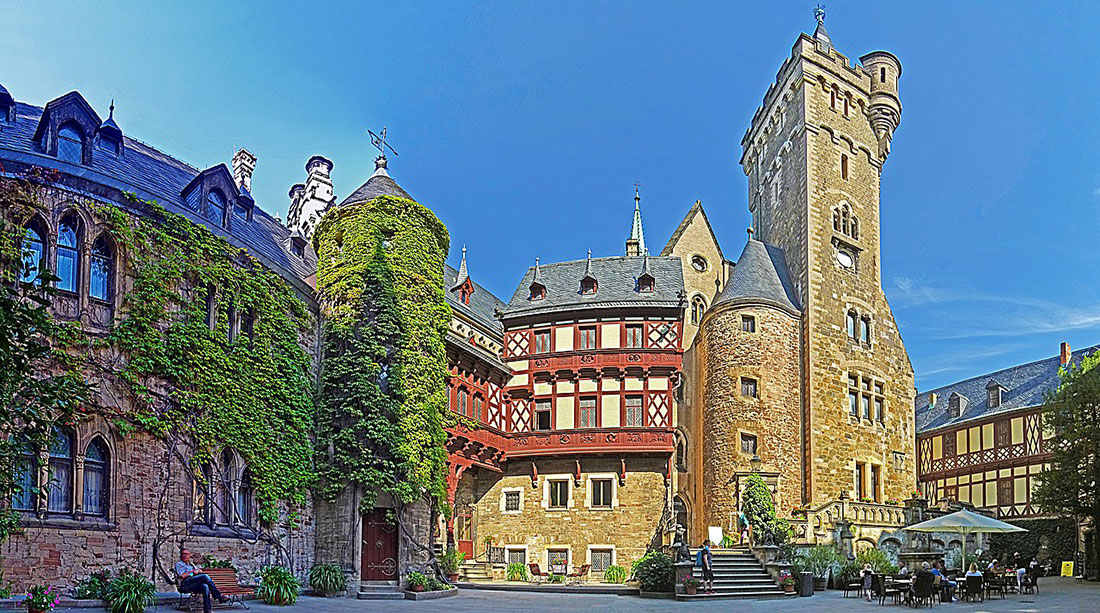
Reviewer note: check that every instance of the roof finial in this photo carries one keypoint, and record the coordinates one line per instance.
(111, 115)
(820, 34)
(463, 274)
(819, 13)
(637, 195)
(380, 143)
(590, 254)
(750, 231)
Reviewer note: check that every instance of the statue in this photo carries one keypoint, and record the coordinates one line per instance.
(683, 552)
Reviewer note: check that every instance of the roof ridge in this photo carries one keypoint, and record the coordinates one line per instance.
(991, 375)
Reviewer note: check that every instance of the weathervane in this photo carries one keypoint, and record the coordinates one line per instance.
(380, 143)
(819, 13)
(637, 196)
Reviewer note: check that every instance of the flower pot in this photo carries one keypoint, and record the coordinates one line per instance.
(35, 610)
(417, 588)
(452, 577)
(691, 590)
(788, 587)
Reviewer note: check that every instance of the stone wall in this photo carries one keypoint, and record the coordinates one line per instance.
(629, 527)
(770, 356)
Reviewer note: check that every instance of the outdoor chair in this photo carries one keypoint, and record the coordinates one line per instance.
(882, 590)
(923, 591)
(1031, 581)
(994, 583)
(973, 589)
(853, 584)
(537, 576)
(580, 576)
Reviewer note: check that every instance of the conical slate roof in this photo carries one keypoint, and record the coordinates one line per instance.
(379, 184)
(760, 277)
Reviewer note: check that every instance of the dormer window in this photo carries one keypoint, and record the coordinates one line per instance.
(994, 392)
(215, 207)
(240, 210)
(538, 291)
(70, 144)
(588, 285)
(645, 283)
(109, 145)
(956, 404)
(298, 246)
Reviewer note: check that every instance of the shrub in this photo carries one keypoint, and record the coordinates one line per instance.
(556, 579)
(516, 572)
(278, 586)
(758, 505)
(655, 573)
(878, 561)
(450, 561)
(41, 598)
(129, 592)
(849, 571)
(614, 574)
(212, 562)
(94, 586)
(727, 542)
(435, 585)
(327, 579)
(819, 559)
(415, 579)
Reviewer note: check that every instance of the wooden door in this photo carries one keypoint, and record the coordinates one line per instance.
(464, 538)
(379, 547)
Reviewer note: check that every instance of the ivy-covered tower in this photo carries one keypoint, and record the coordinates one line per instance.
(382, 393)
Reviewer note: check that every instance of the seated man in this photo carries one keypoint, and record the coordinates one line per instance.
(920, 576)
(194, 581)
(947, 586)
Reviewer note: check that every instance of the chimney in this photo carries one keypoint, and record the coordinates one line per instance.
(1065, 353)
(243, 165)
(932, 399)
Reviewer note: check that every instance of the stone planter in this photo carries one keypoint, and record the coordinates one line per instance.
(430, 595)
(820, 584)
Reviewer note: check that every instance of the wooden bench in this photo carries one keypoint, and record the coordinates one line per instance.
(225, 579)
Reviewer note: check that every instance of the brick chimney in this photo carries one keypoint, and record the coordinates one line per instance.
(1065, 353)
(244, 163)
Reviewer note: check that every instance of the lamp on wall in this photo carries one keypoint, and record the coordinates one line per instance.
(755, 463)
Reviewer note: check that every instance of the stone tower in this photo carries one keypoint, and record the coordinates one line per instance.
(814, 156)
(309, 201)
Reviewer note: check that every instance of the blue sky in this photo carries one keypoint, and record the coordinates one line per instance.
(524, 126)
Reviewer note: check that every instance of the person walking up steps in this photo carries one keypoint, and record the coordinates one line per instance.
(705, 560)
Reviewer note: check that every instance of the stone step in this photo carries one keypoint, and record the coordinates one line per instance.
(753, 595)
(381, 595)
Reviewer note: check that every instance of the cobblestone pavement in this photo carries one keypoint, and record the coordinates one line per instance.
(1057, 595)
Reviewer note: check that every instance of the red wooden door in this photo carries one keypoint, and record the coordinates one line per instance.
(379, 547)
(464, 533)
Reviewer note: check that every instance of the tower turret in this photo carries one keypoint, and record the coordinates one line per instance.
(885, 105)
(309, 202)
(635, 245)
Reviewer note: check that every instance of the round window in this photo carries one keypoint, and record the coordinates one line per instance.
(699, 263)
(845, 259)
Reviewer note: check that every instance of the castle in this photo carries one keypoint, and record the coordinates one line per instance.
(607, 404)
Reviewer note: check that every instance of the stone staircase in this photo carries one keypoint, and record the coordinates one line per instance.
(476, 572)
(737, 574)
(380, 590)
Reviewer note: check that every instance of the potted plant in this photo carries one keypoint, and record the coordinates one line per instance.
(449, 563)
(327, 579)
(416, 581)
(129, 592)
(787, 581)
(691, 585)
(278, 586)
(818, 560)
(42, 599)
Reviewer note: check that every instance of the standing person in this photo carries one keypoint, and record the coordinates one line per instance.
(1021, 570)
(193, 580)
(743, 524)
(706, 560)
(866, 575)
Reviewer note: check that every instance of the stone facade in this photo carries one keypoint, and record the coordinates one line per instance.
(814, 159)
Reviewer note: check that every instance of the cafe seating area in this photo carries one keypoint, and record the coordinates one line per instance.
(927, 590)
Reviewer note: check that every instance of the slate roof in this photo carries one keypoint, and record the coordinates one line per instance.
(760, 276)
(379, 184)
(1024, 388)
(696, 209)
(483, 304)
(616, 279)
(155, 175)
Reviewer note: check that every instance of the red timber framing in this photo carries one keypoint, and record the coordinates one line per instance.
(991, 449)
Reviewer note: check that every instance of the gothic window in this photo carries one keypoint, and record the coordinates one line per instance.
(477, 406)
(233, 323)
(851, 324)
(836, 219)
(34, 250)
(243, 507)
(681, 452)
(215, 207)
(101, 277)
(96, 481)
(23, 494)
(248, 326)
(542, 341)
(633, 412)
(855, 228)
(70, 144)
(832, 99)
(204, 487)
(68, 257)
(588, 413)
(748, 387)
(211, 307)
(847, 103)
(845, 221)
(463, 401)
(698, 307)
(634, 336)
(59, 496)
(865, 330)
(542, 414)
(226, 487)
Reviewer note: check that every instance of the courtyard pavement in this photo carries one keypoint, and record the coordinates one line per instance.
(1057, 595)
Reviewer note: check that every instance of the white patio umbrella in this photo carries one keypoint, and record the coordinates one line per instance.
(964, 522)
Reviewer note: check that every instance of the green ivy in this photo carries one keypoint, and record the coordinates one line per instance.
(382, 405)
(254, 394)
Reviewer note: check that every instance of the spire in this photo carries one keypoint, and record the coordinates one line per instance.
(109, 127)
(538, 273)
(463, 275)
(820, 34)
(635, 245)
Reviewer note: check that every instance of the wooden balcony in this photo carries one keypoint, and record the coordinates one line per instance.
(489, 448)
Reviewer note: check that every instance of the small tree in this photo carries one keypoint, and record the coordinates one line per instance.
(1073, 413)
(757, 504)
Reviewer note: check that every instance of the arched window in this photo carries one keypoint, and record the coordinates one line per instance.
(34, 250)
(698, 307)
(681, 452)
(244, 499)
(855, 227)
(70, 144)
(836, 219)
(101, 278)
(96, 482)
(68, 256)
(228, 477)
(59, 496)
(463, 400)
(865, 330)
(852, 324)
(22, 496)
(844, 221)
(204, 486)
(477, 406)
(215, 206)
